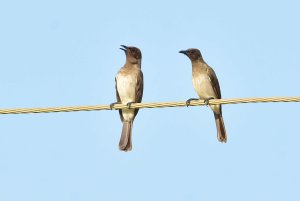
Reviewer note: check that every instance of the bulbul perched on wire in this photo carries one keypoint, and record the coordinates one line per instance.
(207, 87)
(129, 89)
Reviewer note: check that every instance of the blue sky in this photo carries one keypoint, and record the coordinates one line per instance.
(65, 53)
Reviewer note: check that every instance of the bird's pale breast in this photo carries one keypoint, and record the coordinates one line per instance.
(204, 89)
(203, 85)
(126, 86)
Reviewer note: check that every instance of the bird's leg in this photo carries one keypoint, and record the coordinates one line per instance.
(206, 101)
(113, 104)
(188, 102)
(129, 104)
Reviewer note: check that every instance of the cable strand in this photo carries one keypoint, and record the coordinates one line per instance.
(149, 105)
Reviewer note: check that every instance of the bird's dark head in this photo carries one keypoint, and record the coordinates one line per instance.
(192, 53)
(132, 53)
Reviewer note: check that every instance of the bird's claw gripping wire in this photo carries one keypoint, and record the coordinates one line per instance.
(188, 102)
(206, 101)
(129, 105)
(113, 104)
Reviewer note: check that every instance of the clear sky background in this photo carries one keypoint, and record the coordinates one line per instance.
(66, 53)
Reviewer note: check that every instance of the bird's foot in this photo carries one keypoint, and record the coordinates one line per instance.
(188, 102)
(206, 101)
(113, 104)
(129, 104)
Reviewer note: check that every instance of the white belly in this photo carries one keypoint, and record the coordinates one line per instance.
(203, 86)
(204, 89)
(126, 85)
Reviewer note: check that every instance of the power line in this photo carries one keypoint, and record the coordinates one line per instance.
(148, 105)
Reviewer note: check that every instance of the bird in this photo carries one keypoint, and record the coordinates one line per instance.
(207, 86)
(129, 84)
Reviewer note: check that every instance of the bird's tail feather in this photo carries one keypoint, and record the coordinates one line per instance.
(125, 143)
(222, 137)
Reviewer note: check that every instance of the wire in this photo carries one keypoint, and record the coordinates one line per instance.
(148, 105)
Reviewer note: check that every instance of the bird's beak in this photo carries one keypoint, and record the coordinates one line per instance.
(183, 52)
(123, 47)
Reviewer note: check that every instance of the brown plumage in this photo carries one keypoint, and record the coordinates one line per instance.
(129, 89)
(207, 87)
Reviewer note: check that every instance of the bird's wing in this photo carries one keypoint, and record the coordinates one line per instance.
(214, 81)
(139, 90)
(118, 100)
